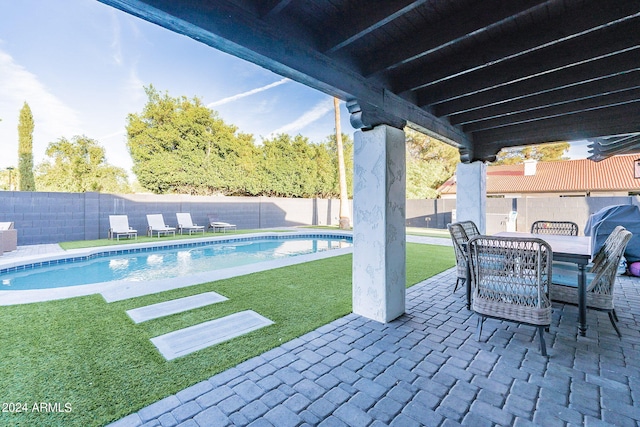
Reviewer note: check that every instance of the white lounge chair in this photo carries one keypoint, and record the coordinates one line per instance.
(158, 226)
(119, 226)
(186, 223)
(219, 225)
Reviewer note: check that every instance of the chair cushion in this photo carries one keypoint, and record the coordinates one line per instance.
(569, 277)
(572, 266)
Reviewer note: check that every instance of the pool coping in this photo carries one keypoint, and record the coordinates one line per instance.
(124, 289)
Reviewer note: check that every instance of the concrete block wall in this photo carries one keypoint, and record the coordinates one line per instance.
(44, 217)
(430, 213)
(436, 213)
(57, 217)
(576, 209)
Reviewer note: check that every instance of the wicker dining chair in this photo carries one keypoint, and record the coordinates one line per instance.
(511, 278)
(600, 278)
(461, 232)
(564, 228)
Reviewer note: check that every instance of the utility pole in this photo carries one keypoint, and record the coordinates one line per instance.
(345, 221)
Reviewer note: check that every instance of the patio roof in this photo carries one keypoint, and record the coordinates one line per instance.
(479, 75)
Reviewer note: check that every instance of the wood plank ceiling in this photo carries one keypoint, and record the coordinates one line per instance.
(481, 75)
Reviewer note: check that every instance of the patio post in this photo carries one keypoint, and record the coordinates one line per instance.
(471, 194)
(379, 214)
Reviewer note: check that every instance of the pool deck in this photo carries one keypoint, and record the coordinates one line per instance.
(426, 368)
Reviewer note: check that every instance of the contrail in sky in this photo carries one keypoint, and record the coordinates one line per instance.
(247, 93)
(316, 113)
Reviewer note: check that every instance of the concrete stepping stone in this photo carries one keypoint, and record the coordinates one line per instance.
(185, 341)
(154, 311)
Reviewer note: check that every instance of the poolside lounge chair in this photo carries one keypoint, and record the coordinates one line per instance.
(219, 225)
(119, 226)
(185, 223)
(157, 225)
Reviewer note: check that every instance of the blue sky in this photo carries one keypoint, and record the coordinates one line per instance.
(82, 68)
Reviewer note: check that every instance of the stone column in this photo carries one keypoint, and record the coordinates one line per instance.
(379, 271)
(471, 194)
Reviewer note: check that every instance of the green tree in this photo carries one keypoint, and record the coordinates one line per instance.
(179, 145)
(543, 152)
(25, 149)
(7, 178)
(290, 167)
(78, 166)
(430, 163)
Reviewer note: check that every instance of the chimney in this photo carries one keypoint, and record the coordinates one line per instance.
(530, 167)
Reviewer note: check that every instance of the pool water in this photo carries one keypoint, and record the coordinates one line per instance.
(165, 263)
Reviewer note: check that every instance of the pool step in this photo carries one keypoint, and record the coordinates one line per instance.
(154, 311)
(185, 341)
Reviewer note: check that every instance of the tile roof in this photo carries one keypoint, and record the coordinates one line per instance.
(612, 174)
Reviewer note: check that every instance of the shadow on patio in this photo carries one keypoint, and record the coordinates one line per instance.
(426, 368)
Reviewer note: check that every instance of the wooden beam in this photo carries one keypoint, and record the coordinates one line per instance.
(590, 124)
(602, 148)
(360, 24)
(549, 97)
(444, 83)
(445, 32)
(271, 8)
(567, 78)
(556, 111)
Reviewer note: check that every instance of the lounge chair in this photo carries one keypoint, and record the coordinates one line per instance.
(157, 225)
(219, 225)
(185, 223)
(119, 226)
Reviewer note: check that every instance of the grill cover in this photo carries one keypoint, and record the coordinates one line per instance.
(601, 224)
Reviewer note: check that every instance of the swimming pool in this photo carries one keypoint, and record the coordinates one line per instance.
(143, 264)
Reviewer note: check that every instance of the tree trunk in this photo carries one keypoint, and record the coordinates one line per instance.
(345, 221)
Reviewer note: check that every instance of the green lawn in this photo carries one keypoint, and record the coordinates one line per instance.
(90, 355)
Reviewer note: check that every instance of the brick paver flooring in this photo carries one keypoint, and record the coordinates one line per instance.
(426, 368)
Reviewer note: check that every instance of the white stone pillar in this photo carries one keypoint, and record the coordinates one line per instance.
(379, 271)
(471, 194)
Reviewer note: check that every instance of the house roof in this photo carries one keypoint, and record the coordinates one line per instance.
(612, 174)
(479, 75)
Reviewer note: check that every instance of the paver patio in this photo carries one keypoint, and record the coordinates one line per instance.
(426, 368)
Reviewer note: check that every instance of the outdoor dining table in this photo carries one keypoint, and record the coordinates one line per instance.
(574, 249)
